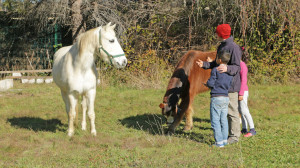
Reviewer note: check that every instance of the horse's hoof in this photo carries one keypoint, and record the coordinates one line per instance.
(70, 133)
(187, 128)
(94, 132)
(83, 127)
(170, 132)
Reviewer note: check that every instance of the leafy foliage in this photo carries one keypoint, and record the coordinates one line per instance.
(161, 31)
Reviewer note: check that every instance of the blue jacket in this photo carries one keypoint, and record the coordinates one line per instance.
(233, 66)
(219, 83)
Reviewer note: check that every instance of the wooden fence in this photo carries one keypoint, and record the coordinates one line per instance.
(28, 76)
(31, 74)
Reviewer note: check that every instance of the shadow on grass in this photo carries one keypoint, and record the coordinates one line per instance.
(155, 125)
(37, 124)
(150, 123)
(201, 120)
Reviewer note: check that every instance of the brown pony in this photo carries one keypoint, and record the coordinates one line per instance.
(186, 82)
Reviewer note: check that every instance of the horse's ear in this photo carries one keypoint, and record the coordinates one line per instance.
(106, 26)
(113, 26)
(162, 105)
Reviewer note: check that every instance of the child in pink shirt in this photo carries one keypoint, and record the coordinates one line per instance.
(243, 97)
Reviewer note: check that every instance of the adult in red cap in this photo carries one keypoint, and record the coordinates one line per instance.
(223, 33)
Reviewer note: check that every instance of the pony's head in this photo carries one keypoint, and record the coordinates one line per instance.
(169, 112)
(172, 96)
(110, 49)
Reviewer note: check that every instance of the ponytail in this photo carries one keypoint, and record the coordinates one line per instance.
(245, 55)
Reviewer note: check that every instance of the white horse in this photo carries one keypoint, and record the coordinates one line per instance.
(74, 70)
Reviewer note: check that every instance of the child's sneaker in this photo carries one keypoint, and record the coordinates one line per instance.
(218, 145)
(244, 131)
(250, 133)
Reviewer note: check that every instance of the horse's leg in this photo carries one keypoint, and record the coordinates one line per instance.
(178, 118)
(72, 112)
(84, 108)
(177, 121)
(189, 118)
(187, 110)
(90, 95)
(67, 104)
(189, 114)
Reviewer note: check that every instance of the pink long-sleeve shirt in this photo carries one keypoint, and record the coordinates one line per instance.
(243, 73)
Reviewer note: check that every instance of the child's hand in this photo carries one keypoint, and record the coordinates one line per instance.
(240, 98)
(209, 59)
(199, 63)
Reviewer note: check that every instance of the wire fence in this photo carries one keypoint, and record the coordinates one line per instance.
(20, 52)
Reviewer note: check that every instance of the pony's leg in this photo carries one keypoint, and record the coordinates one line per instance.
(84, 108)
(189, 119)
(185, 108)
(90, 95)
(72, 112)
(67, 104)
(190, 112)
(177, 121)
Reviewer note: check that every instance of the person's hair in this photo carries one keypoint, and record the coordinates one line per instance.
(224, 56)
(245, 55)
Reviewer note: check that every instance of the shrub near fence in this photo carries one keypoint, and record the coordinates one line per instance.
(163, 30)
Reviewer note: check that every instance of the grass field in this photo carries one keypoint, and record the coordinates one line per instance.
(33, 126)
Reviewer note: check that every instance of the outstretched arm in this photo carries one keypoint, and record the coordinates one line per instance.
(205, 64)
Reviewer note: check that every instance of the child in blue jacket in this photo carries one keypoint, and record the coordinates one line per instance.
(219, 83)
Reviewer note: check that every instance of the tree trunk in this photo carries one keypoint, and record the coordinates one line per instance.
(77, 25)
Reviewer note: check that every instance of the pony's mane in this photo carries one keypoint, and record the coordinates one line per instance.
(187, 61)
(182, 69)
(179, 77)
(87, 39)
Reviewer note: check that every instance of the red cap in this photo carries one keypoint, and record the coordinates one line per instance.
(223, 31)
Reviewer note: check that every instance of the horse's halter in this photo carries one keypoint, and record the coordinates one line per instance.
(111, 57)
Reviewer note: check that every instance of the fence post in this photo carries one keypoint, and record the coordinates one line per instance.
(55, 37)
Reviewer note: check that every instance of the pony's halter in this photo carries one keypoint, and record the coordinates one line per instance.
(110, 56)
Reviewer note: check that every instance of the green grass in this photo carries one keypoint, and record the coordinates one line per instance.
(129, 124)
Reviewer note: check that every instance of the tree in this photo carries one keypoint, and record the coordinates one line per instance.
(77, 22)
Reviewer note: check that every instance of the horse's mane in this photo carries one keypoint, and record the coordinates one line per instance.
(179, 77)
(183, 68)
(187, 61)
(87, 39)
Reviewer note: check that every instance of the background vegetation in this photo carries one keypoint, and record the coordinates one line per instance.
(129, 127)
(156, 33)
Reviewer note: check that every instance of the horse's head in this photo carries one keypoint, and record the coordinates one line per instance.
(172, 97)
(110, 49)
(169, 112)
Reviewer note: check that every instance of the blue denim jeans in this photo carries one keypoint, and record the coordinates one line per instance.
(218, 118)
